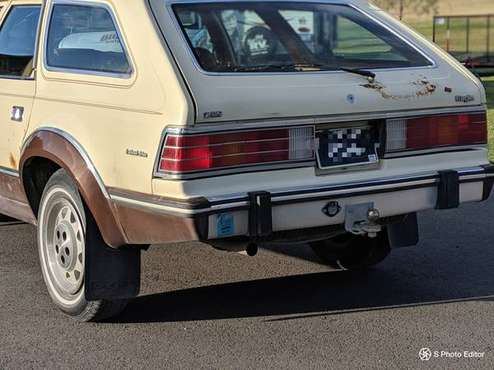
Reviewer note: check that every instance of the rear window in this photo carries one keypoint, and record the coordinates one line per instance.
(287, 37)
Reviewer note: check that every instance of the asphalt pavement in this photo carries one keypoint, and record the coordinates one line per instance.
(201, 308)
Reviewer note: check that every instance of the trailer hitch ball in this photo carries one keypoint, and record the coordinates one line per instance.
(373, 215)
(373, 227)
(363, 219)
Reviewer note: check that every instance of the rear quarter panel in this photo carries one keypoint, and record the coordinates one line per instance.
(108, 115)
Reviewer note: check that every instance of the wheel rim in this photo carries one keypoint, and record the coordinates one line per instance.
(63, 246)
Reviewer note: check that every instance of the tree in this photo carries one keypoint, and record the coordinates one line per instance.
(420, 7)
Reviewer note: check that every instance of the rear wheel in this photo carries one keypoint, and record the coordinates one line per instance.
(62, 232)
(352, 252)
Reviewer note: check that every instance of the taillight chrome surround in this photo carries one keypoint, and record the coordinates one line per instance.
(445, 132)
(188, 154)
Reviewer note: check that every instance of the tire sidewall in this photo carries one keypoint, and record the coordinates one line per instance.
(60, 184)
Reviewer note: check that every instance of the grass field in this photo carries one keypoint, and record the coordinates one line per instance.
(444, 7)
(458, 34)
(489, 85)
(422, 22)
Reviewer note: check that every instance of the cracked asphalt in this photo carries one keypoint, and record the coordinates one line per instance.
(201, 308)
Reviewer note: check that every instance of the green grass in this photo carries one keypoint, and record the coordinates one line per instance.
(458, 34)
(423, 27)
(489, 86)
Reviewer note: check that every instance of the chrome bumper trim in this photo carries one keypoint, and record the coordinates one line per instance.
(9, 172)
(239, 201)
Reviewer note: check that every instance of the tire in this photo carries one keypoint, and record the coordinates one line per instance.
(352, 252)
(62, 229)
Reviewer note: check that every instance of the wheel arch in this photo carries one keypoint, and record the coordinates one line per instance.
(48, 149)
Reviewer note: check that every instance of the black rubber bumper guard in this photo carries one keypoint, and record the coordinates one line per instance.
(260, 215)
(448, 190)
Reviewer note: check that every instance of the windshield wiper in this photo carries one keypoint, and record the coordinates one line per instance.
(295, 67)
(265, 68)
(361, 72)
(301, 66)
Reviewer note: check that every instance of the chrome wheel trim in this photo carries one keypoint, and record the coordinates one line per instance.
(62, 242)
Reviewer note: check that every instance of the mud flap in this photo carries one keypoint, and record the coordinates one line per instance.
(110, 273)
(404, 233)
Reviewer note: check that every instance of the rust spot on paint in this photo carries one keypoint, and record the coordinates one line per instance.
(424, 88)
(13, 162)
(381, 89)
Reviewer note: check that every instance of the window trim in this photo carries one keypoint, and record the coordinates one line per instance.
(8, 10)
(389, 28)
(87, 72)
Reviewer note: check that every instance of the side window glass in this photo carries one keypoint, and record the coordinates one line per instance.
(82, 37)
(18, 40)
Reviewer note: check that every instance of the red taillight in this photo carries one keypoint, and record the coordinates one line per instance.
(436, 131)
(192, 153)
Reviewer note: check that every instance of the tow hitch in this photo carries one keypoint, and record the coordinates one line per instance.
(362, 219)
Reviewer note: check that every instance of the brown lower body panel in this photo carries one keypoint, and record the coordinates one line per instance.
(143, 227)
(17, 210)
(13, 201)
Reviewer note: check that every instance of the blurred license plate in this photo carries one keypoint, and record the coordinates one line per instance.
(351, 146)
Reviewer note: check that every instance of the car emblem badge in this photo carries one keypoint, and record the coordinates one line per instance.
(464, 98)
(331, 209)
(211, 115)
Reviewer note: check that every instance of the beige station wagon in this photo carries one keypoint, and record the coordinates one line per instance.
(235, 123)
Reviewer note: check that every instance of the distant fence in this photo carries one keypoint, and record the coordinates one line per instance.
(468, 38)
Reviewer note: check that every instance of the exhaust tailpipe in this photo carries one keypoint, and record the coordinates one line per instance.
(252, 249)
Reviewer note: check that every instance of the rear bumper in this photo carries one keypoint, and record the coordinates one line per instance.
(155, 220)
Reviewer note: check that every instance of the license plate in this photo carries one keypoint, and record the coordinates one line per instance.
(350, 146)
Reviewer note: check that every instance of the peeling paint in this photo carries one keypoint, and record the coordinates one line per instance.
(380, 88)
(13, 162)
(425, 88)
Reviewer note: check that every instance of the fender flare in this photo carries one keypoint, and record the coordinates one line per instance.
(61, 148)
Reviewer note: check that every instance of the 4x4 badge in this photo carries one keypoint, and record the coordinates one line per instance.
(331, 209)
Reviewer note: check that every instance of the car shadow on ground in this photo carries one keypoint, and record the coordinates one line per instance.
(318, 294)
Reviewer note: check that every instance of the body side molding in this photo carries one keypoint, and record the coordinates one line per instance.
(13, 201)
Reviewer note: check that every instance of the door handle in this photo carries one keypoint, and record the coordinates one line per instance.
(17, 113)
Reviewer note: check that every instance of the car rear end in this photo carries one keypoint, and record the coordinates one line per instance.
(311, 118)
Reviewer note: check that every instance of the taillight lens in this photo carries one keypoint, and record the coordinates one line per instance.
(205, 152)
(436, 131)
